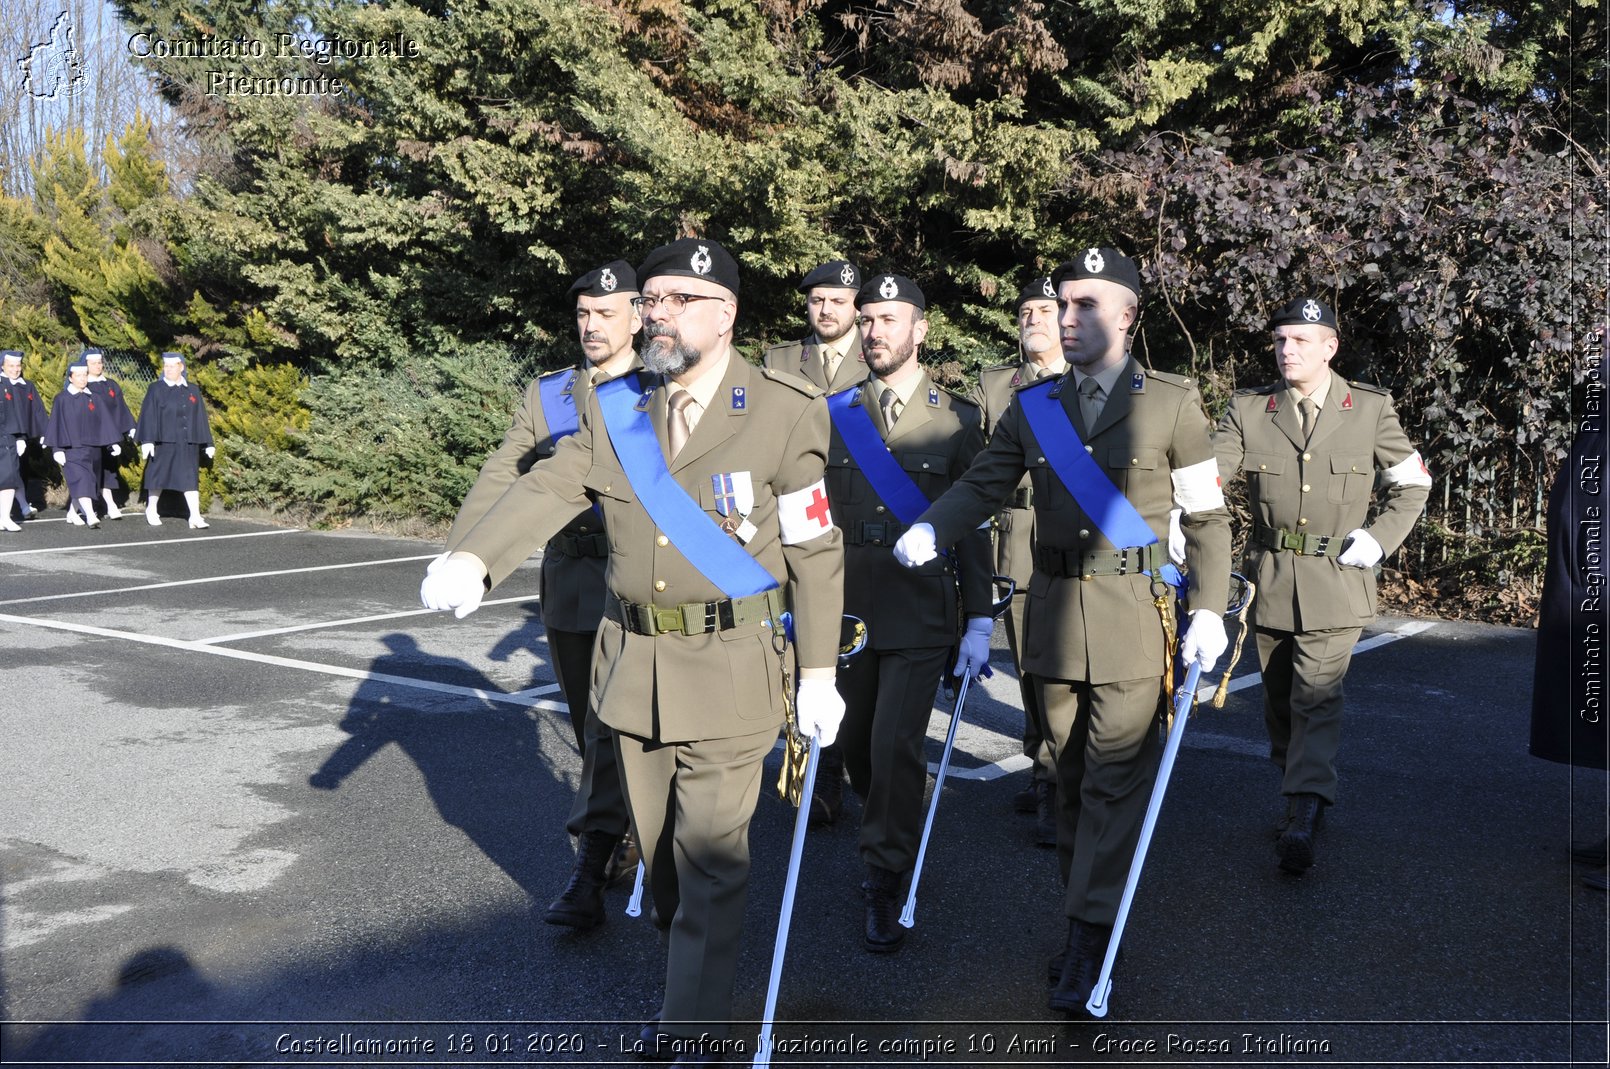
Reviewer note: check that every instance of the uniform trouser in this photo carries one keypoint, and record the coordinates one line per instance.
(1105, 740)
(888, 700)
(1036, 739)
(600, 804)
(1302, 704)
(691, 803)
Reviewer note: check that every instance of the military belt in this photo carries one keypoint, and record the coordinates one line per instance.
(873, 533)
(1304, 545)
(695, 617)
(1087, 564)
(570, 544)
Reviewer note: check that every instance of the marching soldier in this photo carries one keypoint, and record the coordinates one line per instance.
(1039, 345)
(1108, 448)
(830, 356)
(709, 473)
(111, 395)
(33, 420)
(572, 578)
(1314, 445)
(898, 442)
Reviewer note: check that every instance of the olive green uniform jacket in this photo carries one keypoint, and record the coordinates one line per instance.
(804, 358)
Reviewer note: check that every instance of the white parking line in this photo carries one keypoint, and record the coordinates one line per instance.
(244, 635)
(217, 579)
(1194, 740)
(495, 696)
(149, 542)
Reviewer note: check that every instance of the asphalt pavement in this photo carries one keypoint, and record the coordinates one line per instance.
(258, 808)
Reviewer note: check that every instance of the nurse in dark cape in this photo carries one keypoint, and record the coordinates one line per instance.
(173, 434)
(111, 395)
(80, 427)
(13, 444)
(34, 420)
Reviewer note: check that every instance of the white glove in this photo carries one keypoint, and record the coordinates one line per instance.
(1363, 550)
(132, 434)
(1205, 641)
(916, 547)
(22, 446)
(436, 562)
(59, 457)
(116, 450)
(819, 708)
(456, 585)
(1176, 537)
(211, 452)
(972, 654)
(148, 450)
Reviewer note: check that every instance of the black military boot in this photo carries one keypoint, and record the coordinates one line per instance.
(1081, 967)
(1296, 844)
(882, 893)
(1025, 800)
(827, 796)
(1045, 814)
(581, 905)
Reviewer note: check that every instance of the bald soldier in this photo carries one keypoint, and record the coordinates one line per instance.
(913, 617)
(1039, 354)
(572, 578)
(1108, 447)
(1315, 446)
(709, 473)
(830, 356)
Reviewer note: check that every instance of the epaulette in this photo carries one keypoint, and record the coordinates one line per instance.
(960, 398)
(996, 369)
(1259, 391)
(1368, 387)
(561, 371)
(1184, 382)
(792, 381)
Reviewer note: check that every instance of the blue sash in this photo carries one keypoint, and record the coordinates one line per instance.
(559, 403)
(889, 480)
(1106, 506)
(690, 529)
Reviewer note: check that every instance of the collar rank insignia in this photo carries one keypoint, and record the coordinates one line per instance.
(1273, 405)
(1347, 402)
(738, 399)
(1137, 382)
(642, 402)
(1017, 379)
(1056, 387)
(933, 395)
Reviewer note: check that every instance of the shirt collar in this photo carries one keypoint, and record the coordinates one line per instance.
(1321, 392)
(1107, 379)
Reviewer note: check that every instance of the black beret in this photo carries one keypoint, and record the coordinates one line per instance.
(840, 274)
(891, 288)
(1038, 289)
(1303, 310)
(1109, 264)
(616, 276)
(692, 258)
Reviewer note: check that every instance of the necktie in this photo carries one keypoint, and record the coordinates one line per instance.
(890, 402)
(830, 362)
(677, 427)
(1306, 408)
(1089, 392)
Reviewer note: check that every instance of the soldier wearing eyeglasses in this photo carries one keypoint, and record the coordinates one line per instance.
(709, 472)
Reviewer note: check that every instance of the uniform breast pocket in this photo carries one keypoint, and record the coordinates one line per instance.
(844, 486)
(609, 489)
(1350, 477)
(930, 471)
(1261, 466)
(1049, 493)
(1131, 466)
